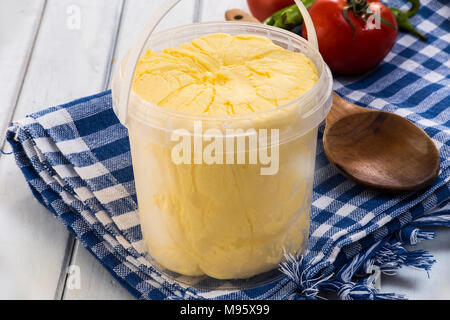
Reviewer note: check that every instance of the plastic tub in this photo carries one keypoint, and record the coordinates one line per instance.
(205, 223)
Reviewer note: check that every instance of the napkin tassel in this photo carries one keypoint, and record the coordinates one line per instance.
(5, 153)
(392, 256)
(411, 235)
(388, 255)
(362, 290)
(350, 285)
(296, 268)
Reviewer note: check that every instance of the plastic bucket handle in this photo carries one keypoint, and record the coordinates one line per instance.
(147, 32)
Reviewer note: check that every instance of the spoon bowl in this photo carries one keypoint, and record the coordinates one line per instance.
(379, 149)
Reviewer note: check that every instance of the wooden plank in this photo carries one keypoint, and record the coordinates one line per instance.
(215, 10)
(32, 242)
(66, 63)
(70, 62)
(24, 18)
(96, 282)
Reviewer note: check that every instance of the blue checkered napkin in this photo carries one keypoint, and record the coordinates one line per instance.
(76, 159)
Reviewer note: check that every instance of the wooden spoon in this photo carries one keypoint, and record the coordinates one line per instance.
(379, 149)
(374, 148)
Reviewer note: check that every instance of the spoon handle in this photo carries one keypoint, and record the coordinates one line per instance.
(342, 108)
(240, 15)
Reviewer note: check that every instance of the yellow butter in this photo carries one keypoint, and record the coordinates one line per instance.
(224, 221)
(224, 75)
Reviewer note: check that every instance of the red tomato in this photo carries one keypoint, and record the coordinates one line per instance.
(345, 51)
(262, 9)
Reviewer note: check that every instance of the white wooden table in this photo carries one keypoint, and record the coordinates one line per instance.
(55, 51)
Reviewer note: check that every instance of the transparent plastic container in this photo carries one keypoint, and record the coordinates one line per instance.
(223, 225)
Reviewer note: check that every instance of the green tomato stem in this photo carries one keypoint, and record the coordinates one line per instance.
(415, 6)
(405, 25)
